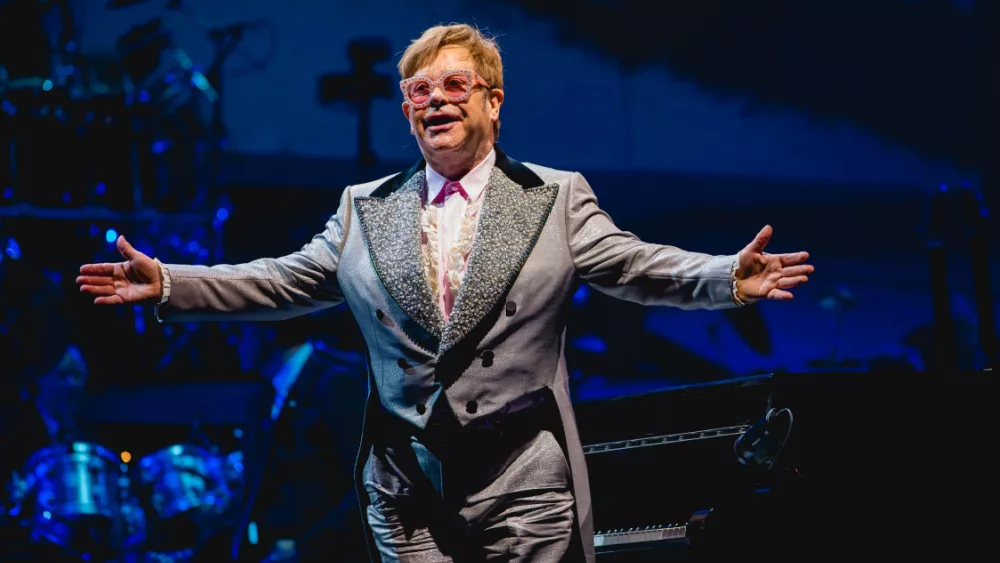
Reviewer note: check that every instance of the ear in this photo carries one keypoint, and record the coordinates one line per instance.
(406, 113)
(496, 100)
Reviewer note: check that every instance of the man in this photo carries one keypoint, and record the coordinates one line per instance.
(299, 446)
(458, 272)
(46, 412)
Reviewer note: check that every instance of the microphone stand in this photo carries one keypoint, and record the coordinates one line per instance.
(214, 76)
(959, 216)
(977, 215)
(944, 355)
(225, 41)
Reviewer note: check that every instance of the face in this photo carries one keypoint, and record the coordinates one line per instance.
(449, 127)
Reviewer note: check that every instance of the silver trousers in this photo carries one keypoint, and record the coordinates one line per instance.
(525, 515)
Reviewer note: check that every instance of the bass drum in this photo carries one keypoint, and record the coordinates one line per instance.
(70, 498)
(185, 493)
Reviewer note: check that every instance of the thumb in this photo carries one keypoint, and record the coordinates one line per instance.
(125, 249)
(761, 240)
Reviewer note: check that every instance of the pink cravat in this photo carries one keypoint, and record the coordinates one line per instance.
(446, 299)
(448, 190)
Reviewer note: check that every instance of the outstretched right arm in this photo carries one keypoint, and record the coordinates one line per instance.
(265, 289)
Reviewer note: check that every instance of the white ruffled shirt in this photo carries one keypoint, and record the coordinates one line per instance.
(446, 266)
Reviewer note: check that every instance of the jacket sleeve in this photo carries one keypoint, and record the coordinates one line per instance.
(616, 262)
(264, 289)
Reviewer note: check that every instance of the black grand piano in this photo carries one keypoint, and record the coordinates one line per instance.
(880, 464)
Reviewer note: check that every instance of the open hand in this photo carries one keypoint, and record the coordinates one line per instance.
(760, 275)
(137, 280)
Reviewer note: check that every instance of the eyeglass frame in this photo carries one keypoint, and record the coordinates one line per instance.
(475, 79)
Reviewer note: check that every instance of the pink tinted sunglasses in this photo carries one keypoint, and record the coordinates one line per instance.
(456, 85)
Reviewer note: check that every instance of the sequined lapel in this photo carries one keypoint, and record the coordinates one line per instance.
(391, 225)
(510, 221)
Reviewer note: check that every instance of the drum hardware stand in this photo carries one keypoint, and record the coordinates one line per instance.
(226, 42)
(160, 73)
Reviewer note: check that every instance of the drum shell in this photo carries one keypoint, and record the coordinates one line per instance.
(183, 479)
(72, 497)
(75, 481)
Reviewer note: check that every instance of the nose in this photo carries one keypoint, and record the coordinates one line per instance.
(437, 97)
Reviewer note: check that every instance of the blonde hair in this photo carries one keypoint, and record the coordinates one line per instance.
(483, 50)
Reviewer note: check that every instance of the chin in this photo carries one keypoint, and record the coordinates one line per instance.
(444, 143)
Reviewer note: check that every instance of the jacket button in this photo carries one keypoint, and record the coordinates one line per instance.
(471, 407)
(487, 358)
(383, 318)
(421, 408)
(511, 308)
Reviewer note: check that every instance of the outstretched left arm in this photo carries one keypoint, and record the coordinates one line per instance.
(616, 262)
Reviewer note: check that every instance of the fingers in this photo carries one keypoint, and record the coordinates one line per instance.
(97, 269)
(792, 271)
(789, 283)
(95, 280)
(793, 258)
(99, 290)
(112, 300)
(760, 242)
(780, 295)
(125, 249)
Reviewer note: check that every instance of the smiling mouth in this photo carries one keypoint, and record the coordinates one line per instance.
(440, 122)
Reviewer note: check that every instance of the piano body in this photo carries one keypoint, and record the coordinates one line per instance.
(875, 464)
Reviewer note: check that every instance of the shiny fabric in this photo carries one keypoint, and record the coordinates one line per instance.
(393, 244)
(540, 234)
(526, 514)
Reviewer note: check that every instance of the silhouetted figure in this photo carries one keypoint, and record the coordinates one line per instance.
(62, 488)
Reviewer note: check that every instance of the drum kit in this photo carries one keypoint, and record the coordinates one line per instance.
(82, 501)
(136, 123)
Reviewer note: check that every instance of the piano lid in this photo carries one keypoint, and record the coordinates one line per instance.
(688, 408)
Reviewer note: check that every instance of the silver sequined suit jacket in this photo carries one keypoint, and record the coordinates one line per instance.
(540, 234)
